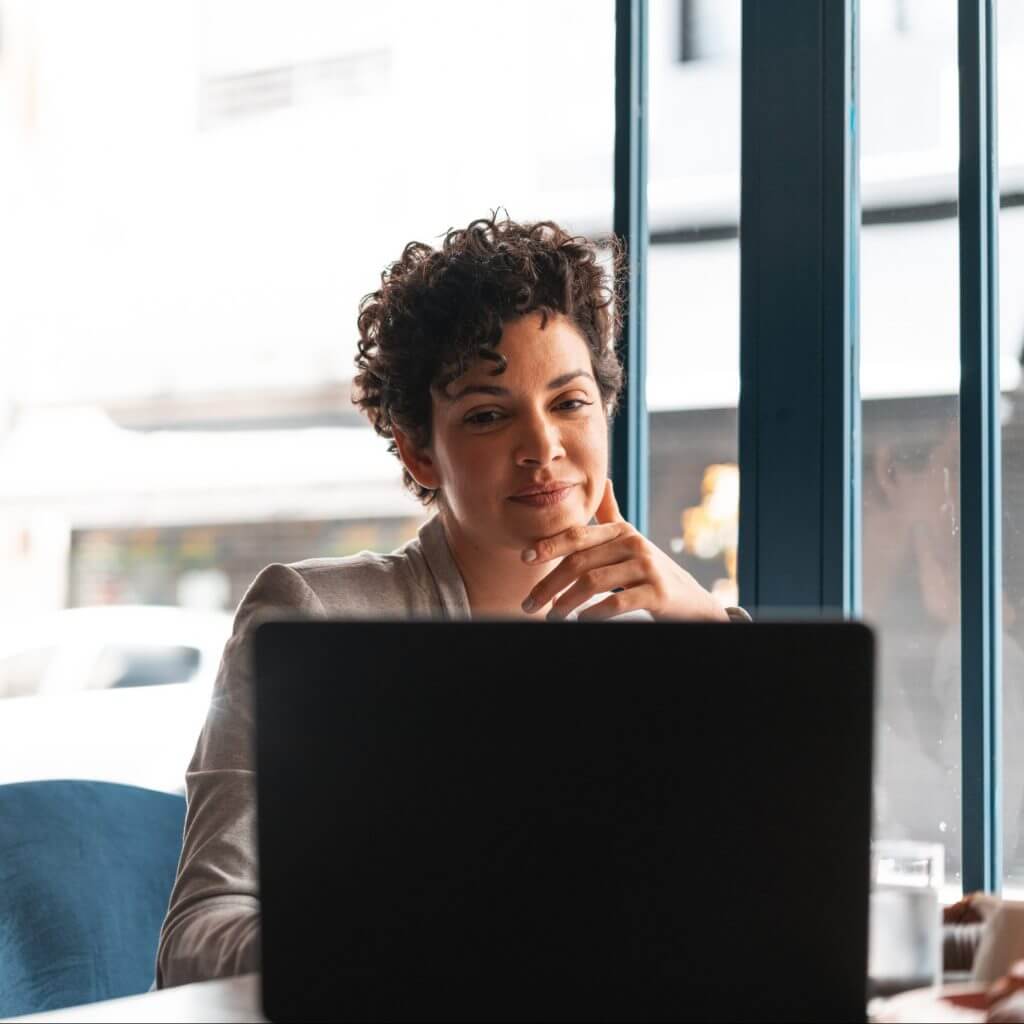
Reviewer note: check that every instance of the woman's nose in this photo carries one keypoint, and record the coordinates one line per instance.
(539, 443)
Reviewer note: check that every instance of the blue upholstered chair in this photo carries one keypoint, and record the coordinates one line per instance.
(86, 869)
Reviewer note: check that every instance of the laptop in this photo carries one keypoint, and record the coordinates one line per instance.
(531, 821)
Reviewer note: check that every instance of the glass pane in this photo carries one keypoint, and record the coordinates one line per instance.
(910, 376)
(1010, 55)
(196, 197)
(693, 286)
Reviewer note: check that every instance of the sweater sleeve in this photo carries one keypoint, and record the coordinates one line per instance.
(212, 925)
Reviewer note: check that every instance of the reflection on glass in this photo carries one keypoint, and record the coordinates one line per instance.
(693, 286)
(909, 382)
(1010, 20)
(711, 529)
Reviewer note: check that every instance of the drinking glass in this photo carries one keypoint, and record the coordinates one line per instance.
(905, 934)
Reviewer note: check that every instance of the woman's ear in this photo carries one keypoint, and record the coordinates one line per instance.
(419, 462)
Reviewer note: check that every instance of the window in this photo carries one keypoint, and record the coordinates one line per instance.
(1010, 20)
(211, 191)
(930, 426)
(910, 379)
(692, 329)
(195, 200)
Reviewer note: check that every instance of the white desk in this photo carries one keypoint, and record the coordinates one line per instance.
(237, 1000)
(233, 1000)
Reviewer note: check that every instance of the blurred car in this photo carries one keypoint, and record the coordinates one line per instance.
(110, 647)
(116, 693)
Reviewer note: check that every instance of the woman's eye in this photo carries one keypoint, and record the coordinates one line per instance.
(487, 417)
(482, 419)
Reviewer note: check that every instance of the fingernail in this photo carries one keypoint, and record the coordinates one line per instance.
(529, 555)
(529, 605)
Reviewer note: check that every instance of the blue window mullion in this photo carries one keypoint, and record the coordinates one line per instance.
(841, 456)
(629, 440)
(980, 492)
(799, 480)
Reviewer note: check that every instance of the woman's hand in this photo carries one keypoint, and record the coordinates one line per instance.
(974, 908)
(1006, 997)
(609, 556)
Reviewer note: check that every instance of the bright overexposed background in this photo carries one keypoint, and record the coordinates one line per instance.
(194, 196)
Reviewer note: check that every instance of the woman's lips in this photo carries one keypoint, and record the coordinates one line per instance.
(545, 498)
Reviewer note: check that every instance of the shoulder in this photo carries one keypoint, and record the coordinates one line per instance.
(368, 583)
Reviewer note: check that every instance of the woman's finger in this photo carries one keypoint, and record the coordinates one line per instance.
(596, 581)
(575, 565)
(576, 538)
(630, 600)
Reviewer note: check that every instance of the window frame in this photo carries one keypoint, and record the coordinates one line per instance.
(799, 406)
(980, 448)
(799, 396)
(630, 436)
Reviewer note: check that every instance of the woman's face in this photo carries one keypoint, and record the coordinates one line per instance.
(539, 426)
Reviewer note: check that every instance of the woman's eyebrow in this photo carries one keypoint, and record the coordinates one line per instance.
(478, 389)
(560, 382)
(492, 389)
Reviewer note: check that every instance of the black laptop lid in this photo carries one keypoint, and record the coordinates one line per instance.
(499, 820)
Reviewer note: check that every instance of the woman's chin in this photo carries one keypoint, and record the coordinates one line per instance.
(531, 523)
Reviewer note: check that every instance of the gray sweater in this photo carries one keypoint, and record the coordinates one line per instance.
(212, 925)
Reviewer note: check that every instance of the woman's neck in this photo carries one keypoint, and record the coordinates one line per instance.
(497, 579)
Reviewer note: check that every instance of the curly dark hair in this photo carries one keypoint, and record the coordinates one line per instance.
(438, 311)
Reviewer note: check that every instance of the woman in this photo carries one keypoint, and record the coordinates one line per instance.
(490, 365)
